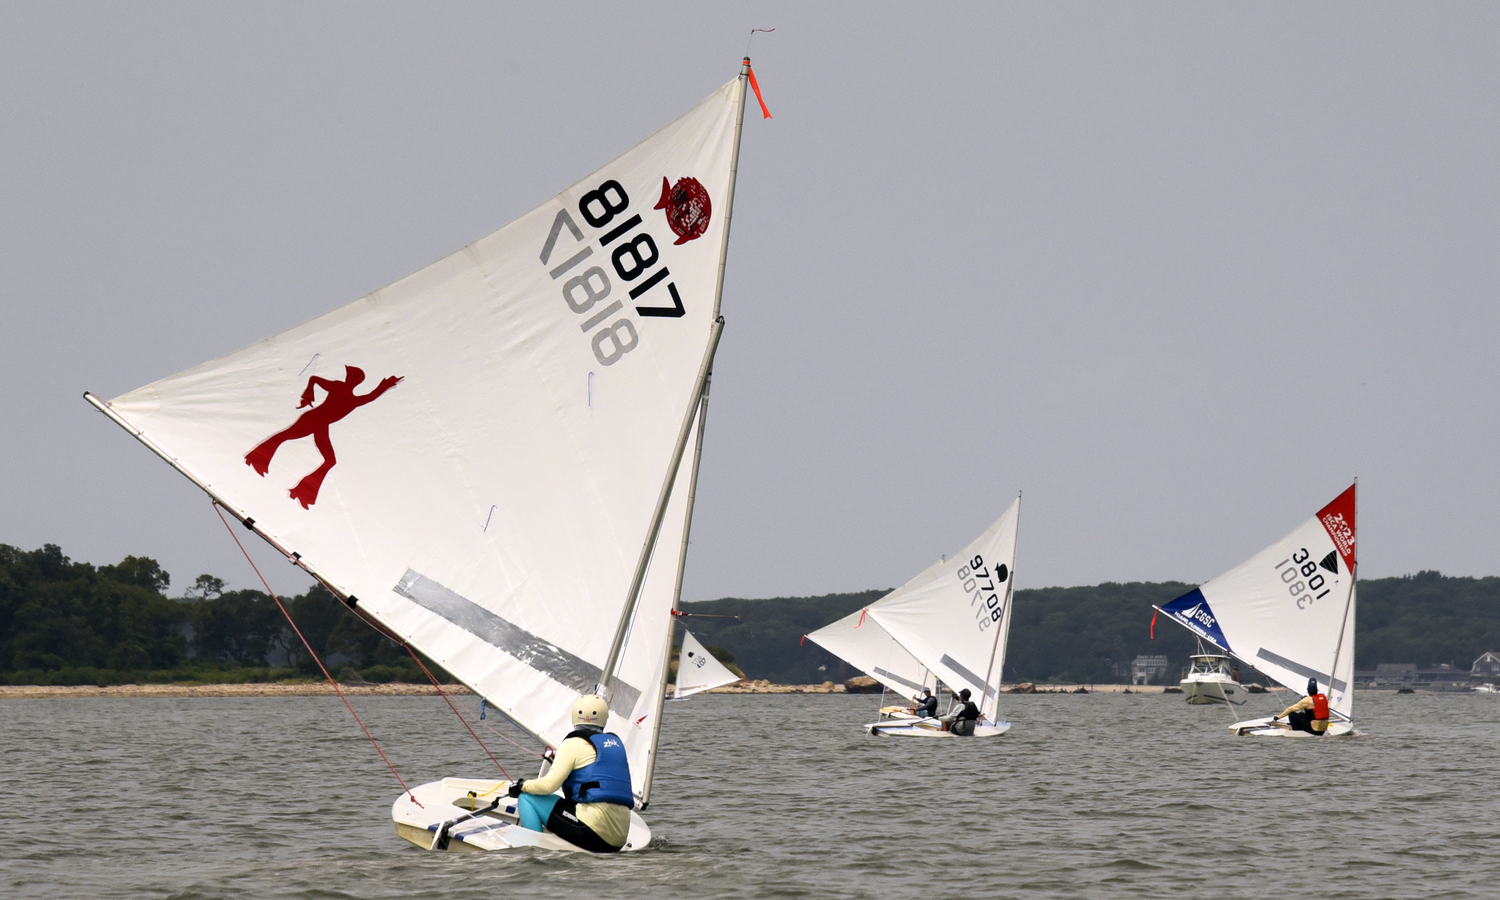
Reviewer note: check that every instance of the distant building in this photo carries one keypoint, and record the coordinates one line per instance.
(1408, 675)
(1147, 669)
(1486, 667)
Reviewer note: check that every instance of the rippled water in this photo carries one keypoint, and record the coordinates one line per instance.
(766, 796)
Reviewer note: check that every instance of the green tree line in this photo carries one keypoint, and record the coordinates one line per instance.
(66, 622)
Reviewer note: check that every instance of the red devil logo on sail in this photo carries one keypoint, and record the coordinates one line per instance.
(339, 401)
(687, 207)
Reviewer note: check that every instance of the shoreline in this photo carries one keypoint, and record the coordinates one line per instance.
(319, 689)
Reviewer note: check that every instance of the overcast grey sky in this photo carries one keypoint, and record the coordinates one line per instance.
(1177, 271)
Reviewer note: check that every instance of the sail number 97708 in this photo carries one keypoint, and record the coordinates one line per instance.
(976, 580)
(633, 254)
(1302, 578)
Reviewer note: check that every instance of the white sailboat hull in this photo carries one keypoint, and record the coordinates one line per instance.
(442, 802)
(1266, 728)
(929, 728)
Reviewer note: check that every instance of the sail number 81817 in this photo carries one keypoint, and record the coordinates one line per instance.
(633, 253)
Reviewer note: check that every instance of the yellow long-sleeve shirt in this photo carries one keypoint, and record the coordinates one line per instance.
(610, 821)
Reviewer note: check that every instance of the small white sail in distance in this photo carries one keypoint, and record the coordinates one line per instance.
(859, 640)
(1289, 609)
(698, 669)
(480, 447)
(954, 617)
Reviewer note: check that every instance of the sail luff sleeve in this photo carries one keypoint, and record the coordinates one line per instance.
(734, 171)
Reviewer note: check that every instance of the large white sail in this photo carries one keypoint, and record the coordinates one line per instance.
(859, 640)
(1289, 610)
(698, 669)
(473, 455)
(954, 616)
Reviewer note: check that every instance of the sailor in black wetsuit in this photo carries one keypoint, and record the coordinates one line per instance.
(594, 774)
(926, 707)
(963, 716)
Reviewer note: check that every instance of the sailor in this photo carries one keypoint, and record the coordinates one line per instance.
(1310, 714)
(962, 716)
(594, 774)
(926, 707)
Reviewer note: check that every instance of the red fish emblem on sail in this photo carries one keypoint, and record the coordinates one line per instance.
(339, 400)
(687, 206)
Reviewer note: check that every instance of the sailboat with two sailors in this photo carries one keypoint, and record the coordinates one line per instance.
(513, 499)
(1288, 612)
(947, 626)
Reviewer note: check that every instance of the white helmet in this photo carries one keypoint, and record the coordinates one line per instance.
(590, 710)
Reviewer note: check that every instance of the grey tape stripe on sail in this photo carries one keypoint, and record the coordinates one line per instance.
(950, 662)
(1300, 669)
(548, 658)
(885, 676)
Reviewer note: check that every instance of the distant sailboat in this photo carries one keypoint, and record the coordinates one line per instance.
(510, 498)
(698, 670)
(1288, 612)
(949, 623)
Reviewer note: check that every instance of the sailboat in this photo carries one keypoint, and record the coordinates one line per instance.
(948, 624)
(1288, 612)
(509, 496)
(698, 670)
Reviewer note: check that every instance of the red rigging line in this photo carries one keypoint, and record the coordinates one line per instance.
(310, 652)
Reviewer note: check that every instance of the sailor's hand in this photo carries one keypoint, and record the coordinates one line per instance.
(1275, 718)
(515, 787)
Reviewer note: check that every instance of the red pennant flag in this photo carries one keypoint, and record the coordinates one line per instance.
(803, 641)
(1153, 623)
(755, 86)
(861, 617)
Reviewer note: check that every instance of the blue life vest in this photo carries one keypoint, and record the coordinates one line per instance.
(607, 778)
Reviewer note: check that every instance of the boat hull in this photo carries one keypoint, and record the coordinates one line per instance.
(461, 804)
(1202, 691)
(1266, 728)
(929, 728)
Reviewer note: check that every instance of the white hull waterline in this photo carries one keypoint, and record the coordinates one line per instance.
(1207, 689)
(1264, 727)
(930, 728)
(461, 815)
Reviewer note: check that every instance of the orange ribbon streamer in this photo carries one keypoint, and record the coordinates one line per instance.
(755, 86)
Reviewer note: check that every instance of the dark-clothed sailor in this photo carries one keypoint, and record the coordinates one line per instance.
(1310, 714)
(962, 716)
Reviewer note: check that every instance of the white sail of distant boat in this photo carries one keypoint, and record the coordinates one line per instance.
(950, 621)
(508, 495)
(698, 669)
(1288, 612)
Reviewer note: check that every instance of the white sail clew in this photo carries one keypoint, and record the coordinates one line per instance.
(698, 670)
(859, 640)
(491, 507)
(954, 617)
(1289, 610)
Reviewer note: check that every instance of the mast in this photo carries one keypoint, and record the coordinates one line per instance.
(1348, 606)
(1003, 628)
(700, 388)
(643, 562)
(661, 693)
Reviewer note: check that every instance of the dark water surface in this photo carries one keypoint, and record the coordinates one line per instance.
(758, 796)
